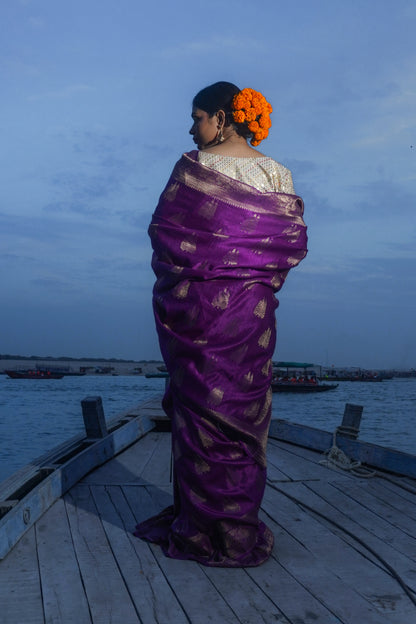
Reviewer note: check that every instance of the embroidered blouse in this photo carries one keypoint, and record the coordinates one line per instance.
(262, 172)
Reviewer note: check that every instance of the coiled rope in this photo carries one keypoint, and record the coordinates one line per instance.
(335, 456)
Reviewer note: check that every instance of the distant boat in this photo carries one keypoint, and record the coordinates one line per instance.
(33, 374)
(367, 377)
(295, 382)
(301, 386)
(163, 375)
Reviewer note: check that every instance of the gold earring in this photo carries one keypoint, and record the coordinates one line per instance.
(220, 137)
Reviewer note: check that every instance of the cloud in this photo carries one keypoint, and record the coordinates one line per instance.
(380, 198)
(225, 43)
(66, 92)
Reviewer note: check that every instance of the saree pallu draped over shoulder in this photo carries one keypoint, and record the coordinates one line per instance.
(221, 251)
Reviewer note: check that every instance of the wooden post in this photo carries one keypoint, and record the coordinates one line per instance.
(350, 425)
(93, 414)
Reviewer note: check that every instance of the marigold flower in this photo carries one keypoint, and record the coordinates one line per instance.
(251, 114)
(239, 116)
(251, 107)
(238, 102)
(264, 122)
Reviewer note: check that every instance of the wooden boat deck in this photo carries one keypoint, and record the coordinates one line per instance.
(334, 535)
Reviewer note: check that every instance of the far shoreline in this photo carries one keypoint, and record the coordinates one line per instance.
(92, 366)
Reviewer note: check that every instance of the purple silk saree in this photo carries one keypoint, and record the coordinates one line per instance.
(221, 251)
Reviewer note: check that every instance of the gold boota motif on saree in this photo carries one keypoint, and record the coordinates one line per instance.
(215, 396)
(208, 209)
(250, 225)
(266, 368)
(231, 506)
(265, 338)
(260, 309)
(221, 299)
(231, 257)
(252, 410)
(276, 280)
(196, 498)
(201, 466)
(181, 290)
(206, 441)
(188, 246)
(264, 412)
(248, 378)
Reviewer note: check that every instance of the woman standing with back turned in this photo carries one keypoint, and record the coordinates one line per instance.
(226, 231)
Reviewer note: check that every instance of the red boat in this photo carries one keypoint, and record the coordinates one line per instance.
(299, 386)
(33, 374)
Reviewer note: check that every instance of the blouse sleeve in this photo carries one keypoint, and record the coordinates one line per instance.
(285, 180)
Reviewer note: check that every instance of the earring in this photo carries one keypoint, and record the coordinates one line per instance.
(219, 136)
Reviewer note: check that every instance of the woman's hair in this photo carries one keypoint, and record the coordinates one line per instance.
(216, 97)
(219, 96)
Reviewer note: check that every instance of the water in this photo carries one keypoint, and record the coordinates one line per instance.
(389, 415)
(36, 416)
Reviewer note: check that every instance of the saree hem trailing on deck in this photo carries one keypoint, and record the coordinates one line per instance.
(221, 251)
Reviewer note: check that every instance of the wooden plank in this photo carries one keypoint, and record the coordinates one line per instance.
(296, 468)
(302, 435)
(25, 513)
(142, 503)
(202, 603)
(150, 591)
(34, 504)
(245, 597)
(274, 474)
(295, 600)
(370, 520)
(330, 569)
(384, 510)
(108, 598)
(371, 454)
(157, 469)
(393, 498)
(126, 467)
(298, 451)
(63, 593)
(20, 591)
(335, 507)
(400, 485)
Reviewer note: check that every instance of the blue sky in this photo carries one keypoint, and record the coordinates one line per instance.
(96, 98)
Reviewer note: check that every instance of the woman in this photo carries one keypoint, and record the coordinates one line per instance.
(226, 231)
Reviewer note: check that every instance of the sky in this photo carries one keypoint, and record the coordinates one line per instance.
(96, 101)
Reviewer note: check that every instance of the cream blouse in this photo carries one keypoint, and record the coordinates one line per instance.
(262, 172)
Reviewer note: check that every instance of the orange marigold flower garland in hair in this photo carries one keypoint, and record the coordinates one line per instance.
(251, 107)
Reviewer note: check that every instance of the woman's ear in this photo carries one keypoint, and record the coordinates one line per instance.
(221, 118)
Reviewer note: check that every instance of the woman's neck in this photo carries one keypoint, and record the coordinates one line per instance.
(233, 145)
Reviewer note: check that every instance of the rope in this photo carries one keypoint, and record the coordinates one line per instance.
(336, 457)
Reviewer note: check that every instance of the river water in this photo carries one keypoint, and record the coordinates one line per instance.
(37, 415)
